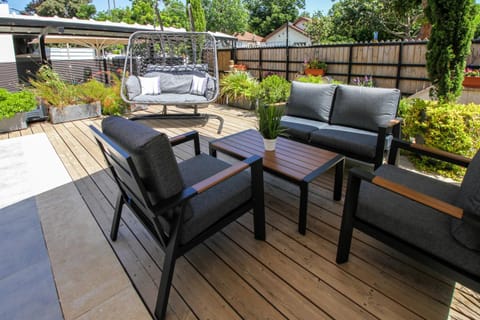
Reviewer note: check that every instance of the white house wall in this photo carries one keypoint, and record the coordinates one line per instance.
(294, 38)
(8, 64)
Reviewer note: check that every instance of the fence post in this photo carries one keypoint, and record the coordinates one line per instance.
(105, 70)
(260, 63)
(399, 66)
(350, 57)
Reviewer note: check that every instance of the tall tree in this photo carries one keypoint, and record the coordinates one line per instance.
(174, 14)
(198, 15)
(267, 15)
(392, 19)
(453, 25)
(60, 8)
(227, 16)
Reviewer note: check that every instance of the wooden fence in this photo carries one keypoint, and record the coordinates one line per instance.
(391, 64)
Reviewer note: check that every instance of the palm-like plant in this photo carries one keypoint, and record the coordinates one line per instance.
(269, 121)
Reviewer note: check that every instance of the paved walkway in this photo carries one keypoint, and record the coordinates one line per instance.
(50, 243)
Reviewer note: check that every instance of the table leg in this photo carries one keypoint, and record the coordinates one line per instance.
(302, 217)
(337, 189)
(212, 151)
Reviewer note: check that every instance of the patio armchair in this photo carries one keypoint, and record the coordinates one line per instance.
(432, 221)
(181, 204)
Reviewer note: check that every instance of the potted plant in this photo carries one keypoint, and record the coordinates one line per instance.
(13, 109)
(239, 89)
(471, 78)
(315, 67)
(274, 90)
(269, 117)
(65, 101)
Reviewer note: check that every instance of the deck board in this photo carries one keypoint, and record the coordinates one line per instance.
(232, 275)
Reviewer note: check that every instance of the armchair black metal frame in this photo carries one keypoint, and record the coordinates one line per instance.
(167, 232)
(350, 219)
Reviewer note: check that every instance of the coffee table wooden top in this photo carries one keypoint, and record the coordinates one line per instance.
(291, 159)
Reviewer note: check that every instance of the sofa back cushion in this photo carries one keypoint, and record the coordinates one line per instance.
(151, 153)
(364, 108)
(469, 199)
(311, 100)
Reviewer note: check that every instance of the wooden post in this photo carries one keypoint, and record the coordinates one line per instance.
(399, 66)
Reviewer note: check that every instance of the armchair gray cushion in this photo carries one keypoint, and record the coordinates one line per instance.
(364, 108)
(410, 221)
(469, 200)
(151, 153)
(212, 205)
(310, 100)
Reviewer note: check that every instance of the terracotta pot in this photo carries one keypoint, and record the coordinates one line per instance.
(471, 82)
(314, 72)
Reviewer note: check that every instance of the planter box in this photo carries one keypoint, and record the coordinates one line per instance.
(76, 112)
(471, 82)
(17, 122)
(314, 72)
(241, 103)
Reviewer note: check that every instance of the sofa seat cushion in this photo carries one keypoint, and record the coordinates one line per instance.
(364, 108)
(421, 226)
(212, 205)
(346, 140)
(170, 98)
(310, 100)
(300, 128)
(466, 233)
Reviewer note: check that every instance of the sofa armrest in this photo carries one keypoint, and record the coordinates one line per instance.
(192, 135)
(427, 151)
(392, 126)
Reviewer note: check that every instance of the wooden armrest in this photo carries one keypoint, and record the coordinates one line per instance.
(419, 197)
(392, 123)
(431, 152)
(192, 135)
(224, 174)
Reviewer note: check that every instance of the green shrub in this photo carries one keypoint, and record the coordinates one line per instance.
(53, 90)
(448, 126)
(239, 85)
(15, 102)
(274, 89)
(316, 79)
(109, 96)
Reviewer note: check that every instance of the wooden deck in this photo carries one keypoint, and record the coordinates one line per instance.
(233, 276)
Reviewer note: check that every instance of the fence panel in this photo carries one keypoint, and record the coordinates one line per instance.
(391, 64)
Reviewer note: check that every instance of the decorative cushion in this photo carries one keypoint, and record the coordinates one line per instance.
(364, 108)
(150, 85)
(151, 153)
(469, 200)
(310, 100)
(133, 87)
(199, 85)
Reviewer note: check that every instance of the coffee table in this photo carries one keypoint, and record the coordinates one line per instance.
(293, 161)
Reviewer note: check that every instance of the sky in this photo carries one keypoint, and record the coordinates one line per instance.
(101, 5)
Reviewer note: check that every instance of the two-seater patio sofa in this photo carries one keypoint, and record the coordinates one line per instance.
(358, 122)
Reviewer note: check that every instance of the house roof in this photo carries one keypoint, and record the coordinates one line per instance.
(290, 26)
(248, 37)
